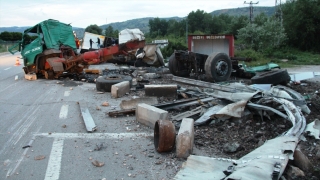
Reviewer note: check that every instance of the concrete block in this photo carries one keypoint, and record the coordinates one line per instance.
(185, 138)
(30, 77)
(161, 90)
(120, 89)
(148, 115)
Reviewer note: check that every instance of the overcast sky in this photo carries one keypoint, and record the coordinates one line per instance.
(82, 13)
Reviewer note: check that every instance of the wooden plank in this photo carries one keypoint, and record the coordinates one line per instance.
(92, 71)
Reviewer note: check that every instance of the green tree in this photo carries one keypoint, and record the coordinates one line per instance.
(225, 23)
(260, 38)
(95, 29)
(176, 28)
(260, 19)
(237, 23)
(16, 36)
(158, 27)
(217, 25)
(109, 31)
(301, 21)
(6, 36)
(173, 45)
(115, 34)
(200, 21)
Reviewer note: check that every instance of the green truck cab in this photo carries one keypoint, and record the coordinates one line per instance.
(52, 37)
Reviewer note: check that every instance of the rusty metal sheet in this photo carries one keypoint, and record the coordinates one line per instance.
(206, 116)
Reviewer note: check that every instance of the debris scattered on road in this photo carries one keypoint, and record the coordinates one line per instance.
(39, 157)
(164, 135)
(97, 163)
(98, 147)
(27, 146)
(30, 77)
(105, 103)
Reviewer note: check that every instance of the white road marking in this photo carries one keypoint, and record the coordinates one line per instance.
(19, 131)
(63, 112)
(95, 135)
(54, 164)
(67, 93)
(7, 68)
(21, 158)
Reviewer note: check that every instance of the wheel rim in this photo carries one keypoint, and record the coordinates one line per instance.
(222, 68)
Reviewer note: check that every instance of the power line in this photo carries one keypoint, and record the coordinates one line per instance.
(251, 9)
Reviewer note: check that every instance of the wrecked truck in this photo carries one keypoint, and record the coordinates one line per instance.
(53, 52)
(209, 58)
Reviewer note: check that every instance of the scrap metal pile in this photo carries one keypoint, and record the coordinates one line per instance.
(211, 104)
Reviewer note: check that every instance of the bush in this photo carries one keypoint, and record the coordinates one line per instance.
(249, 53)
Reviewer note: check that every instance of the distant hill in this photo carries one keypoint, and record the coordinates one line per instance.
(143, 23)
(14, 29)
(269, 11)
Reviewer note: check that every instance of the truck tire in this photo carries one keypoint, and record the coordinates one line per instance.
(273, 77)
(174, 67)
(49, 74)
(218, 67)
(104, 83)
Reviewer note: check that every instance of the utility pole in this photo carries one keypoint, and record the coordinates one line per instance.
(251, 9)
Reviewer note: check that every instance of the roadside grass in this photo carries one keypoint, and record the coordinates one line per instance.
(284, 57)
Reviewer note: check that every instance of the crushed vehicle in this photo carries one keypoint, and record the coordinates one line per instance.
(210, 58)
(53, 53)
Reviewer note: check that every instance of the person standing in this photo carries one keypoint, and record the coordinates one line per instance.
(90, 43)
(98, 43)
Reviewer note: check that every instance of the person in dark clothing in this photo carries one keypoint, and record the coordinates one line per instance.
(90, 43)
(98, 43)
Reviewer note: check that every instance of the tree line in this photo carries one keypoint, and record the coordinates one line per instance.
(15, 36)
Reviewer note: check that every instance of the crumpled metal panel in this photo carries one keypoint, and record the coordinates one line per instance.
(200, 167)
(266, 162)
(238, 96)
(56, 63)
(206, 116)
(259, 164)
(313, 129)
(232, 110)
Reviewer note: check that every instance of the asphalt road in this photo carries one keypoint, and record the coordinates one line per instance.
(43, 136)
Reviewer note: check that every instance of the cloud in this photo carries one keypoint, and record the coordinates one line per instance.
(82, 13)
